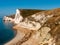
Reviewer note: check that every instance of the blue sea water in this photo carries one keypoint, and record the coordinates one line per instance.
(6, 31)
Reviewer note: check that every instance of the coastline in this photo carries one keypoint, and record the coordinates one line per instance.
(20, 33)
(24, 33)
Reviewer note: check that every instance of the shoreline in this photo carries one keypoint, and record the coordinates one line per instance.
(19, 35)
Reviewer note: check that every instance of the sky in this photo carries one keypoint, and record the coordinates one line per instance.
(8, 7)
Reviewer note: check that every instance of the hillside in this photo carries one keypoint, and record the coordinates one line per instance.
(28, 12)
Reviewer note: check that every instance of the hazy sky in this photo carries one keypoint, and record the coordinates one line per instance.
(9, 6)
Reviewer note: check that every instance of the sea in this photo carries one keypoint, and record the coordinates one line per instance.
(6, 31)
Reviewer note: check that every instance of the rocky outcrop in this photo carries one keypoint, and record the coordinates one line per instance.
(8, 19)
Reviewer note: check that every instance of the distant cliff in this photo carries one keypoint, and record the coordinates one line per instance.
(27, 12)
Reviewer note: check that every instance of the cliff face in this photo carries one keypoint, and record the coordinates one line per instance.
(42, 28)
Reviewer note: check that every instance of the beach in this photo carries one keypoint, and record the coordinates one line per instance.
(21, 32)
